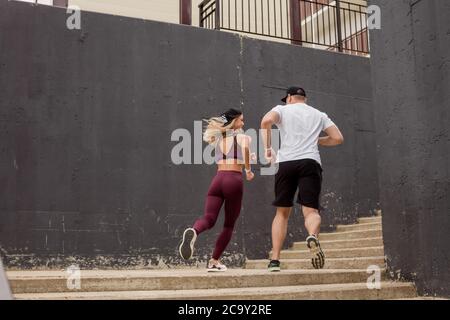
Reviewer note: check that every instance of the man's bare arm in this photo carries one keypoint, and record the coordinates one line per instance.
(334, 137)
(267, 122)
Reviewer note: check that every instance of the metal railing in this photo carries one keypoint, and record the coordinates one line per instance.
(333, 25)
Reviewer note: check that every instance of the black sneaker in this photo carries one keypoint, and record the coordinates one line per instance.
(318, 257)
(187, 245)
(274, 266)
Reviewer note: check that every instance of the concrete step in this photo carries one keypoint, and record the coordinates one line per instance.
(335, 253)
(369, 219)
(330, 263)
(422, 298)
(137, 280)
(367, 233)
(357, 227)
(343, 244)
(356, 291)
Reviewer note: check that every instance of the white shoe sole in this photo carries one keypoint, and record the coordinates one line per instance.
(318, 257)
(217, 270)
(186, 248)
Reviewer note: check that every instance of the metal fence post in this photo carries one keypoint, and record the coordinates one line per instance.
(217, 16)
(339, 25)
(200, 13)
(296, 31)
(61, 3)
(185, 12)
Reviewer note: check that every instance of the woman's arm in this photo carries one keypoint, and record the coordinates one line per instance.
(245, 142)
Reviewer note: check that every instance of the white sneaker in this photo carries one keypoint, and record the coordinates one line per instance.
(218, 267)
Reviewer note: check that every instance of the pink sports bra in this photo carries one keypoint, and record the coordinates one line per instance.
(234, 153)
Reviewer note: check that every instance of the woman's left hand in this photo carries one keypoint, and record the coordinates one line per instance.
(250, 175)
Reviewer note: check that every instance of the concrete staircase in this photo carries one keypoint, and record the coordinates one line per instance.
(350, 247)
(349, 251)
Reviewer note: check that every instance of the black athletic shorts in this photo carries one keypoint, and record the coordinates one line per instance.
(304, 175)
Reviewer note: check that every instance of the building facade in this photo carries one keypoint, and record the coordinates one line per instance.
(311, 23)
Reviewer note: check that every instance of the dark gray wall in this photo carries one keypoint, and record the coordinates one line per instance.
(86, 120)
(338, 85)
(410, 68)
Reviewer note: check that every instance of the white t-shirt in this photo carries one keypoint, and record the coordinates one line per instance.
(300, 126)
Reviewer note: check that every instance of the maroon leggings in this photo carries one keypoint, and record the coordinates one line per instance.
(227, 186)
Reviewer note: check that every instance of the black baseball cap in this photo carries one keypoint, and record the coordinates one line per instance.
(294, 91)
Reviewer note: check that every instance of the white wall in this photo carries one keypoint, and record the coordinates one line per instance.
(159, 10)
(46, 2)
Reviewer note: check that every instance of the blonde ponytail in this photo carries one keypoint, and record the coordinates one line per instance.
(215, 130)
